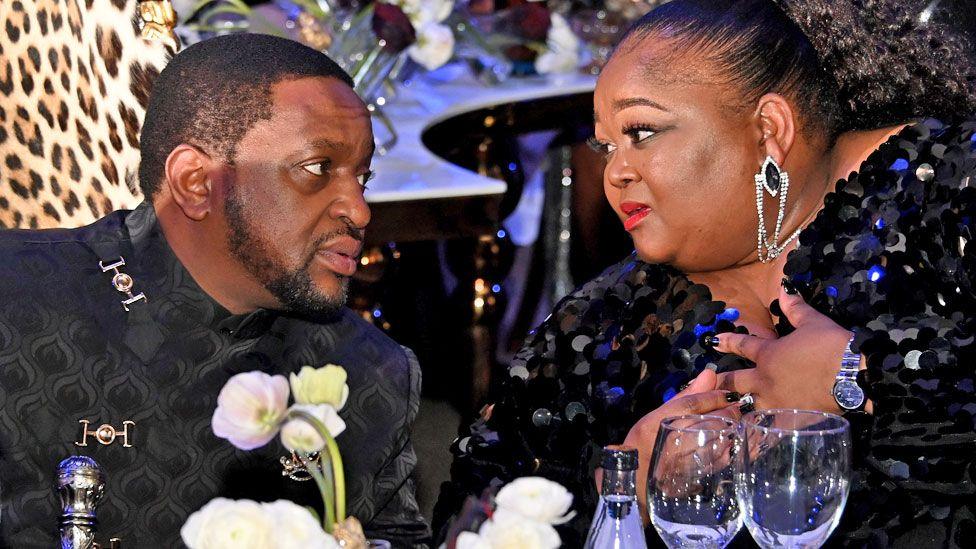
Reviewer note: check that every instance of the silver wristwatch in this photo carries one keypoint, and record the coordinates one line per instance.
(848, 394)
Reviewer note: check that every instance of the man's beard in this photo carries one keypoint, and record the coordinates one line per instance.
(293, 288)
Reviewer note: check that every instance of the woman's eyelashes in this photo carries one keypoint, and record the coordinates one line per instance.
(637, 133)
(640, 133)
(603, 147)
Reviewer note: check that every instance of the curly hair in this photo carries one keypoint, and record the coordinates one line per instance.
(848, 64)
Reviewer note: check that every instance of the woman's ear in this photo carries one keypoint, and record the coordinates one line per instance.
(777, 125)
(188, 179)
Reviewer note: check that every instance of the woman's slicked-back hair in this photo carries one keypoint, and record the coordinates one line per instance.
(847, 64)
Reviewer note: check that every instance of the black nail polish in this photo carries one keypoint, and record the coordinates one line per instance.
(732, 396)
(789, 286)
(746, 408)
(775, 308)
(713, 341)
(684, 386)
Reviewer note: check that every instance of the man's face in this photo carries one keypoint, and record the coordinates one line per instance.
(294, 204)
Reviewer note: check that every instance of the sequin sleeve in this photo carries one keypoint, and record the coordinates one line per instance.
(536, 422)
(891, 258)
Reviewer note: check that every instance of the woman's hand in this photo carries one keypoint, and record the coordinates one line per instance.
(700, 397)
(795, 371)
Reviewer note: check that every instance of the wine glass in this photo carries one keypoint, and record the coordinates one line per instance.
(794, 476)
(691, 484)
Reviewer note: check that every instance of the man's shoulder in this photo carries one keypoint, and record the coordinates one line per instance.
(351, 338)
(12, 240)
(36, 262)
(394, 360)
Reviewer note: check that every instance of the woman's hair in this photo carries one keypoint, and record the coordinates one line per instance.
(847, 64)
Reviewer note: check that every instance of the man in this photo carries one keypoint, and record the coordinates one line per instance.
(256, 152)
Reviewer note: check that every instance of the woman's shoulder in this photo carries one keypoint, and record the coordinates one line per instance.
(622, 284)
(904, 219)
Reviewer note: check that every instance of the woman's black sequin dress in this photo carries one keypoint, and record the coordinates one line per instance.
(890, 256)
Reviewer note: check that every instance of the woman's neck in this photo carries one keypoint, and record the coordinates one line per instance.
(751, 286)
(851, 150)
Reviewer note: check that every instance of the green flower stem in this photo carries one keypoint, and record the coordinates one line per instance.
(335, 459)
(325, 489)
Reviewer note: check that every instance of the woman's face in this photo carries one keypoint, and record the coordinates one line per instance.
(681, 155)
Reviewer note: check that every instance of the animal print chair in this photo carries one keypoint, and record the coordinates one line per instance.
(75, 77)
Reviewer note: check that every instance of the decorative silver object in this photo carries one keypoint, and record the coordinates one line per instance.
(122, 282)
(295, 466)
(775, 181)
(80, 487)
(105, 434)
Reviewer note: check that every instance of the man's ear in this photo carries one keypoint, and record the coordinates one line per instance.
(188, 179)
(777, 124)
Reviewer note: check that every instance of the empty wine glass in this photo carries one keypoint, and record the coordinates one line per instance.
(794, 476)
(691, 484)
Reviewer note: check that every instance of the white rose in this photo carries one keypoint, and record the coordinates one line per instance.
(562, 48)
(227, 524)
(299, 436)
(552, 62)
(434, 46)
(560, 35)
(422, 12)
(470, 540)
(441, 9)
(296, 528)
(509, 530)
(536, 498)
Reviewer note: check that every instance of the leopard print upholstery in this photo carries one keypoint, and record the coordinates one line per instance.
(75, 77)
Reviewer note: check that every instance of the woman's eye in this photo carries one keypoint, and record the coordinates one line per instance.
(639, 135)
(316, 168)
(603, 147)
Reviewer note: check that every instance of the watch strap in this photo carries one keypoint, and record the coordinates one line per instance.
(850, 366)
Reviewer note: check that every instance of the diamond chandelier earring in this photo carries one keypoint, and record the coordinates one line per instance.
(775, 181)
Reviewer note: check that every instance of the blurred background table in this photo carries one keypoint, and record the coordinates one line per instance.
(445, 275)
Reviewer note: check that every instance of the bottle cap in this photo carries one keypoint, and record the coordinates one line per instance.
(619, 458)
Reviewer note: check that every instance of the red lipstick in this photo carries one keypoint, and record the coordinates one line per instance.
(635, 212)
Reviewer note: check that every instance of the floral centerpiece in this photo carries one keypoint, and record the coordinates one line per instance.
(252, 409)
(537, 37)
(522, 515)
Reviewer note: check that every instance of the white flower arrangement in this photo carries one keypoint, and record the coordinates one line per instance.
(562, 53)
(243, 524)
(435, 40)
(252, 408)
(526, 511)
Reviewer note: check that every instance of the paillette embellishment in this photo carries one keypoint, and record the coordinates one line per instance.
(105, 434)
(122, 282)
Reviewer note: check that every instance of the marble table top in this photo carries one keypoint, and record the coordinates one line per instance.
(409, 171)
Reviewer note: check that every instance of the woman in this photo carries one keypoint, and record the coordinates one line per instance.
(752, 142)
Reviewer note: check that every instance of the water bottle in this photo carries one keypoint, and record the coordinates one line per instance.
(617, 522)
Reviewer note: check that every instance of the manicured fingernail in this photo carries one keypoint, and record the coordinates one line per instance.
(747, 403)
(732, 396)
(775, 308)
(684, 386)
(713, 341)
(789, 286)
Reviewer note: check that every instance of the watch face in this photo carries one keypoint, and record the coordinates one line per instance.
(848, 395)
